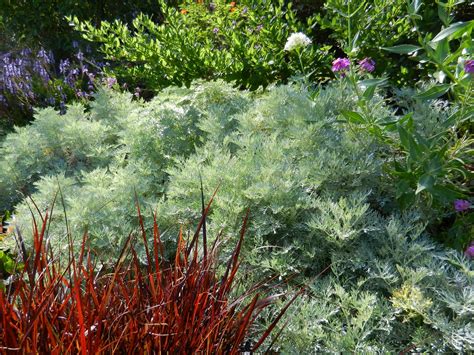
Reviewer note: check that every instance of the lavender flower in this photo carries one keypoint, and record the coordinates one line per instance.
(367, 64)
(64, 66)
(62, 108)
(259, 28)
(50, 101)
(47, 57)
(137, 92)
(461, 205)
(340, 64)
(80, 56)
(470, 251)
(25, 52)
(110, 82)
(75, 44)
(469, 66)
(215, 30)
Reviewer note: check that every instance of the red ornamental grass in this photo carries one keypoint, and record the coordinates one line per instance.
(182, 308)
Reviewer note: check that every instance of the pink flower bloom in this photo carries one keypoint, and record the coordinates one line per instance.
(340, 64)
(470, 251)
(461, 205)
(469, 66)
(367, 64)
(110, 82)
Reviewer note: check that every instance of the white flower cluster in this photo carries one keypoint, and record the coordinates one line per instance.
(297, 40)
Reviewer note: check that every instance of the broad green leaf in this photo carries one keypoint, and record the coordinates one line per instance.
(445, 193)
(369, 93)
(442, 50)
(442, 14)
(455, 28)
(404, 138)
(372, 82)
(353, 117)
(434, 92)
(402, 49)
(426, 182)
(414, 7)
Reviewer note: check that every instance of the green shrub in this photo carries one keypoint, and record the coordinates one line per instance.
(285, 156)
(392, 290)
(241, 43)
(100, 157)
(361, 28)
(277, 156)
(38, 23)
(316, 187)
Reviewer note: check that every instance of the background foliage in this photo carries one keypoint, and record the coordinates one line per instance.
(240, 42)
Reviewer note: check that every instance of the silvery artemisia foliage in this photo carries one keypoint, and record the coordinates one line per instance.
(317, 194)
(391, 290)
(101, 157)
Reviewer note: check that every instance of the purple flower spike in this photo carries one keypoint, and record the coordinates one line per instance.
(340, 64)
(64, 66)
(461, 205)
(110, 82)
(367, 64)
(469, 66)
(470, 251)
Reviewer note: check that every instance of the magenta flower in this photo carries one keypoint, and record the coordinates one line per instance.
(469, 66)
(470, 251)
(367, 64)
(340, 64)
(461, 205)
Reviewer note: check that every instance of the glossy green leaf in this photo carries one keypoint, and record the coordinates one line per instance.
(369, 93)
(426, 182)
(414, 7)
(373, 82)
(353, 117)
(434, 92)
(455, 29)
(404, 137)
(402, 49)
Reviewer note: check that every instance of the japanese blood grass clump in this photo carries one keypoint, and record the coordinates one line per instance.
(180, 307)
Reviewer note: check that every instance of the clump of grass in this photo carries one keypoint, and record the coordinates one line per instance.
(180, 307)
